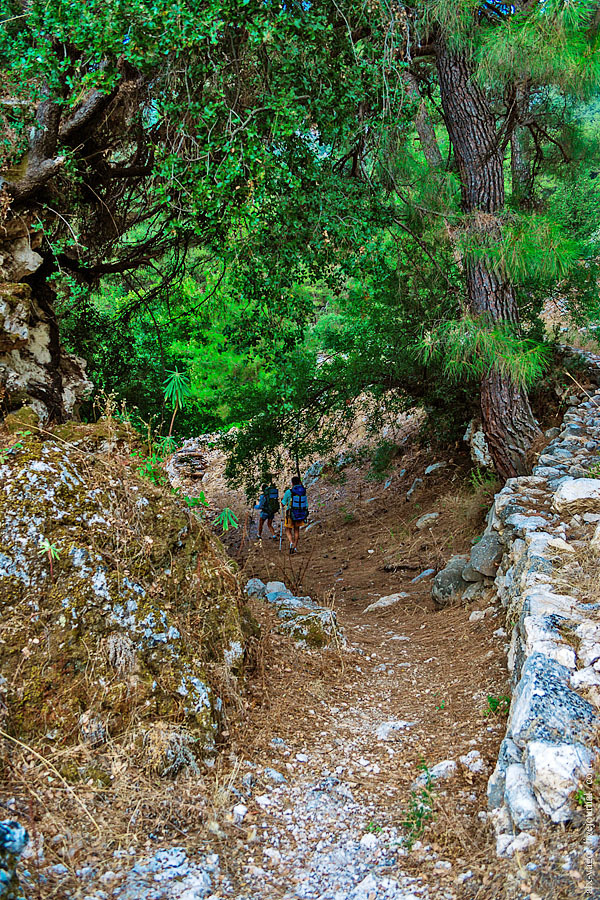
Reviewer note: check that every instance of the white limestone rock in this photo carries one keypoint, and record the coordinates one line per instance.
(555, 770)
(544, 708)
(577, 496)
(585, 678)
(384, 602)
(473, 762)
(506, 845)
(541, 636)
(519, 797)
(426, 521)
(440, 772)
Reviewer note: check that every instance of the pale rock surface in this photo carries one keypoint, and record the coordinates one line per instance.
(520, 798)
(426, 521)
(578, 495)
(555, 770)
(385, 602)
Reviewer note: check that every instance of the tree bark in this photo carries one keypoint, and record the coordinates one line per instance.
(423, 124)
(508, 421)
(520, 153)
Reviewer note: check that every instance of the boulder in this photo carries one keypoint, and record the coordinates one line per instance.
(509, 753)
(544, 708)
(426, 521)
(541, 635)
(13, 840)
(114, 597)
(473, 591)
(486, 555)
(449, 584)
(555, 770)
(255, 588)
(442, 771)
(577, 496)
(313, 630)
(471, 574)
(520, 799)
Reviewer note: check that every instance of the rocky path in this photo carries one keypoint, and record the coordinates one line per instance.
(344, 756)
(351, 752)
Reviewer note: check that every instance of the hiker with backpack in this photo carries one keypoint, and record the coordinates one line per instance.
(268, 504)
(296, 511)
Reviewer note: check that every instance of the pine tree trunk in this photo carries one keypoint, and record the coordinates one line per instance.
(520, 153)
(508, 422)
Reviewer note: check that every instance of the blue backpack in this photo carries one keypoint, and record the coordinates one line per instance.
(299, 505)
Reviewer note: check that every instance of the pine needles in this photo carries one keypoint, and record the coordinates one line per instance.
(473, 347)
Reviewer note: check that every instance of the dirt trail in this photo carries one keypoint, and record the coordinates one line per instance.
(322, 719)
(350, 732)
(320, 798)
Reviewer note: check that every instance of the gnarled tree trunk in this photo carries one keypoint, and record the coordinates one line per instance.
(34, 369)
(508, 422)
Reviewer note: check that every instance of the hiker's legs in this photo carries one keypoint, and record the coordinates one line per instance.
(270, 525)
(296, 536)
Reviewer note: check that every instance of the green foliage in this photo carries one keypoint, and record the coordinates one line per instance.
(420, 809)
(177, 388)
(482, 478)
(384, 454)
(532, 246)
(497, 706)
(593, 471)
(151, 467)
(227, 519)
(289, 259)
(6, 451)
(473, 346)
(193, 502)
(51, 550)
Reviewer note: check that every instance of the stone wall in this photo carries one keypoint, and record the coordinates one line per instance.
(549, 582)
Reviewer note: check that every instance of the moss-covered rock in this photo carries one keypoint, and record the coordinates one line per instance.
(119, 610)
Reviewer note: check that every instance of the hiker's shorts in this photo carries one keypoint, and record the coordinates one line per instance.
(267, 516)
(289, 522)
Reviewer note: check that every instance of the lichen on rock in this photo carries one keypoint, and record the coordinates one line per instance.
(119, 609)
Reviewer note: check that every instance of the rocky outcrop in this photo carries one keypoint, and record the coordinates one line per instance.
(121, 614)
(545, 525)
(308, 624)
(34, 368)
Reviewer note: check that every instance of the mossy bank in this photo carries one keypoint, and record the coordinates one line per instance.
(122, 618)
